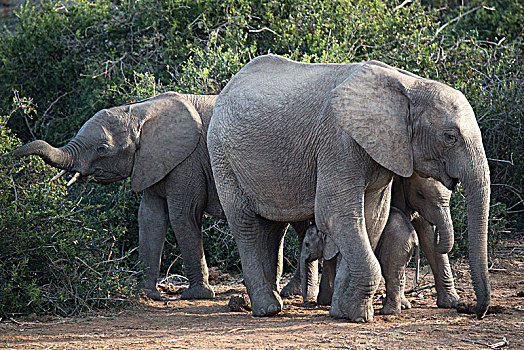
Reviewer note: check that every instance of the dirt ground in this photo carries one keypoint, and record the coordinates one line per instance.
(205, 324)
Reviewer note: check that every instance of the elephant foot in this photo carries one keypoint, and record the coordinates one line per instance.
(264, 305)
(153, 294)
(391, 308)
(324, 298)
(448, 300)
(359, 311)
(312, 293)
(293, 287)
(198, 292)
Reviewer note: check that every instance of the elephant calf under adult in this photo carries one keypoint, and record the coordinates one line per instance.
(161, 143)
(290, 141)
(393, 251)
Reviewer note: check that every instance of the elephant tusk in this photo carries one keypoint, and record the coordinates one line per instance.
(73, 180)
(57, 176)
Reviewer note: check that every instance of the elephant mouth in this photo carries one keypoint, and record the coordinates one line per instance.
(98, 176)
(104, 177)
(451, 183)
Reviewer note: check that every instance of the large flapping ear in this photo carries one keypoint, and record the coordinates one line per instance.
(170, 132)
(372, 105)
(330, 248)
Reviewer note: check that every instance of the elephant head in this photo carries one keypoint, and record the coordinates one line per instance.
(144, 140)
(429, 198)
(407, 123)
(316, 245)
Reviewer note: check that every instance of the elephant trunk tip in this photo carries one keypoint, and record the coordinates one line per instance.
(444, 248)
(481, 309)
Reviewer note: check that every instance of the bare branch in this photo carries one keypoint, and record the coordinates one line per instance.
(262, 29)
(457, 18)
(402, 5)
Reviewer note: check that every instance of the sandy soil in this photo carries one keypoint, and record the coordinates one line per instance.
(204, 324)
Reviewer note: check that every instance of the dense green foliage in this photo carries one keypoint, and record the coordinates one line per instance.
(69, 250)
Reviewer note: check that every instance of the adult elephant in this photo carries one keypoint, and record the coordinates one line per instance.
(161, 143)
(290, 141)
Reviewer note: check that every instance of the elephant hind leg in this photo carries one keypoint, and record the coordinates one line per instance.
(259, 241)
(186, 200)
(252, 235)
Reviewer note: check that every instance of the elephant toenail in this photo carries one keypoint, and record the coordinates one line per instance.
(272, 309)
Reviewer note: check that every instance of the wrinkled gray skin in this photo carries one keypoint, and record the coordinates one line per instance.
(293, 141)
(161, 144)
(416, 198)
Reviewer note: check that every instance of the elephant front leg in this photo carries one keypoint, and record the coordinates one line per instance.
(327, 281)
(352, 297)
(447, 296)
(152, 228)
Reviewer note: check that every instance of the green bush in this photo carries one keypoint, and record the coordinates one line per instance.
(104, 53)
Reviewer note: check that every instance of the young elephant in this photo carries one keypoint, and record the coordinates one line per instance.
(425, 201)
(161, 143)
(393, 252)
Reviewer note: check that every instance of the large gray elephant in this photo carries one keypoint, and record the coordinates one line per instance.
(161, 143)
(412, 198)
(290, 141)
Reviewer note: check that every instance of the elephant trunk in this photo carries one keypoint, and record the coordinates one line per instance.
(476, 183)
(445, 237)
(58, 157)
(308, 276)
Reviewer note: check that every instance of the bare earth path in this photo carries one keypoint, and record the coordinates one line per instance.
(208, 324)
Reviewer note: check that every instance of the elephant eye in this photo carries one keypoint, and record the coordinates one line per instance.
(420, 195)
(450, 138)
(101, 149)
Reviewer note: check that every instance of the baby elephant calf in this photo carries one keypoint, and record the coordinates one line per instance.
(393, 252)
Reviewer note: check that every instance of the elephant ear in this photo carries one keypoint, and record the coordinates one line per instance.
(170, 131)
(330, 248)
(372, 105)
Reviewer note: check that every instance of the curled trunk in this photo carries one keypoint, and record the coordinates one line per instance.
(58, 157)
(444, 237)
